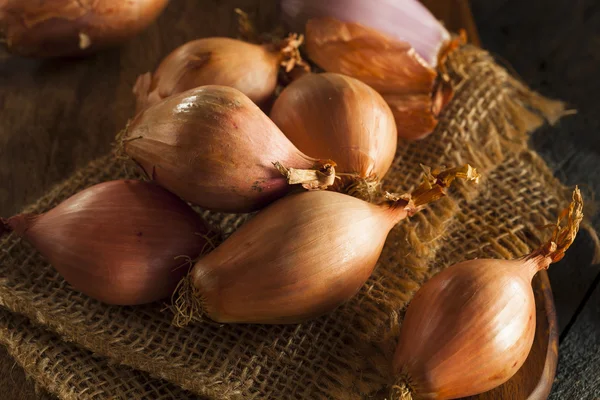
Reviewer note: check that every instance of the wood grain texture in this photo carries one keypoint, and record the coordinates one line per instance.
(57, 115)
(579, 376)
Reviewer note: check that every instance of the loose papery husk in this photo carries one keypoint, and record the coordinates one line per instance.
(346, 354)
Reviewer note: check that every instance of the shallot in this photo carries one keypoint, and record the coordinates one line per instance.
(471, 327)
(250, 68)
(333, 116)
(55, 28)
(214, 147)
(120, 242)
(299, 258)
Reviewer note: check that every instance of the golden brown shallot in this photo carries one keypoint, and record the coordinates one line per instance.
(301, 257)
(333, 116)
(471, 327)
(250, 68)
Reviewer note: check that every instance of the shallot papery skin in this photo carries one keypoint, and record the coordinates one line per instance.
(55, 28)
(333, 116)
(404, 20)
(214, 147)
(250, 68)
(121, 242)
(415, 92)
(471, 327)
(301, 257)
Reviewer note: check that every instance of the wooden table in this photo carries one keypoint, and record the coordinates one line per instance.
(55, 116)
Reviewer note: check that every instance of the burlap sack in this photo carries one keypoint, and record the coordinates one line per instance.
(59, 367)
(345, 354)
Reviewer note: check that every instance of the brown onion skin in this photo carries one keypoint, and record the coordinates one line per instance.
(468, 329)
(250, 68)
(299, 258)
(337, 117)
(117, 241)
(213, 147)
(51, 28)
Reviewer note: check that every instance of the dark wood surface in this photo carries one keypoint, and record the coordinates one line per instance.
(55, 116)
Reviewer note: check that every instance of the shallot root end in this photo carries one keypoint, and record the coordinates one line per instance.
(565, 231)
(187, 303)
(319, 178)
(364, 188)
(401, 390)
(120, 140)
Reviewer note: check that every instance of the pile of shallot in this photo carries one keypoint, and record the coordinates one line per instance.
(312, 165)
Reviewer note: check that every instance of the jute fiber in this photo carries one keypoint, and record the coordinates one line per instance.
(58, 366)
(345, 354)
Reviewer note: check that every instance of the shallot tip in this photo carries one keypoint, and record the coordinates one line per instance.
(288, 47)
(321, 177)
(290, 53)
(564, 233)
(402, 390)
(434, 185)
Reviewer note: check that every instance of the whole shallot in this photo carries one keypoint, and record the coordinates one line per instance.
(55, 28)
(250, 68)
(299, 258)
(214, 147)
(471, 327)
(119, 242)
(333, 116)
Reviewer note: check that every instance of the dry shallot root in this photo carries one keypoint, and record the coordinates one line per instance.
(471, 327)
(58, 28)
(252, 68)
(300, 258)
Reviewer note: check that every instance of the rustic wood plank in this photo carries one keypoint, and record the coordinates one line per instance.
(577, 376)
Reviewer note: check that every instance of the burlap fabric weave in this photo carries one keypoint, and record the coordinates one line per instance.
(345, 354)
